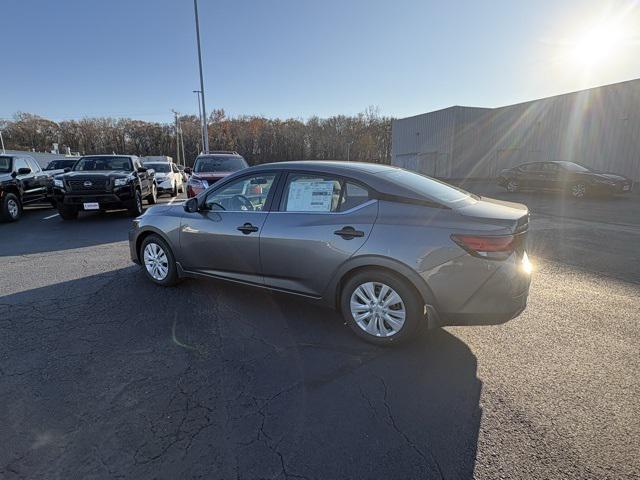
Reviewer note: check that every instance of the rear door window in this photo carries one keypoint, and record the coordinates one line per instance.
(312, 193)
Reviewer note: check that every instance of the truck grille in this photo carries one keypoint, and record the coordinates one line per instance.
(88, 184)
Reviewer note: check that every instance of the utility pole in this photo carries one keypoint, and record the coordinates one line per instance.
(205, 131)
(198, 92)
(175, 116)
(2, 141)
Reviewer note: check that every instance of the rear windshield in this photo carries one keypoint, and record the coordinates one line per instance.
(5, 164)
(574, 167)
(431, 188)
(159, 167)
(219, 163)
(104, 163)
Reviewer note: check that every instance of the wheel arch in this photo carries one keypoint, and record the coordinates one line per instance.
(143, 234)
(354, 265)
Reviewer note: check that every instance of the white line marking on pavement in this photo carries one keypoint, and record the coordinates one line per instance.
(51, 216)
(172, 200)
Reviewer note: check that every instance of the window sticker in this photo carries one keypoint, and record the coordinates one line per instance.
(310, 196)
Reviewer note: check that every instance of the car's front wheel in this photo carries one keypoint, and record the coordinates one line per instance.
(68, 212)
(136, 209)
(158, 261)
(381, 308)
(11, 208)
(153, 195)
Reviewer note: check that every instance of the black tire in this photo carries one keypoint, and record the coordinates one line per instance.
(68, 212)
(174, 192)
(414, 306)
(136, 209)
(171, 277)
(153, 196)
(11, 208)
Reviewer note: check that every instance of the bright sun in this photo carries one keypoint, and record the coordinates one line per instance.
(594, 46)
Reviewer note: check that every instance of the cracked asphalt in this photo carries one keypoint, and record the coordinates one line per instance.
(104, 375)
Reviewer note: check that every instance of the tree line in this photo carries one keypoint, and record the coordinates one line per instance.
(363, 137)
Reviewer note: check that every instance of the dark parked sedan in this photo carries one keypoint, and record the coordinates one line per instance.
(393, 250)
(562, 176)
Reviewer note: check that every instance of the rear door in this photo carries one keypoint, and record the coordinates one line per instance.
(320, 222)
(39, 180)
(223, 238)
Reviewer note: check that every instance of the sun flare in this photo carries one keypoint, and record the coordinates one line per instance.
(596, 44)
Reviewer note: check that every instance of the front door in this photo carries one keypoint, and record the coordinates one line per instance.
(223, 238)
(321, 222)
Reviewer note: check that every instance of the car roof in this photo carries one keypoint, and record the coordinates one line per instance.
(108, 155)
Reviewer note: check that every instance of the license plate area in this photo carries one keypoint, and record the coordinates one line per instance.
(91, 206)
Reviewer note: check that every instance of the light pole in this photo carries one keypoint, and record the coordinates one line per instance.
(348, 150)
(205, 131)
(2, 141)
(198, 92)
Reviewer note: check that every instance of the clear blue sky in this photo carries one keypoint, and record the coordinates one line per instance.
(297, 58)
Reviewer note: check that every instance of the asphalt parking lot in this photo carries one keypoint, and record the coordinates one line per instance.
(104, 375)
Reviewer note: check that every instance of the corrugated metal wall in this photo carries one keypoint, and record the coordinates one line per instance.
(599, 128)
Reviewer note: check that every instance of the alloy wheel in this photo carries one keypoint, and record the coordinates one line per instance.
(378, 309)
(578, 190)
(13, 208)
(155, 261)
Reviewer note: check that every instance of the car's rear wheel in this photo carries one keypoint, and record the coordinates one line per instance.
(578, 190)
(11, 208)
(153, 196)
(136, 209)
(68, 212)
(512, 186)
(381, 308)
(158, 261)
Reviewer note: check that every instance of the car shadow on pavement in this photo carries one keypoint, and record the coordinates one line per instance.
(111, 375)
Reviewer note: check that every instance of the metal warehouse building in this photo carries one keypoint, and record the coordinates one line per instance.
(598, 128)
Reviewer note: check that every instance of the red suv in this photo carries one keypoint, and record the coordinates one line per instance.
(211, 167)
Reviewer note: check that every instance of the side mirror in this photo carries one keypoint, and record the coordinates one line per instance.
(67, 170)
(141, 169)
(151, 171)
(24, 171)
(187, 170)
(191, 205)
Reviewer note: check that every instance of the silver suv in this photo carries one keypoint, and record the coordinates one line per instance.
(393, 250)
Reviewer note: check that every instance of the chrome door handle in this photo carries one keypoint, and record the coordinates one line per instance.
(247, 228)
(349, 232)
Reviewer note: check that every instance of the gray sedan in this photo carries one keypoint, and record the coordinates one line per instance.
(392, 250)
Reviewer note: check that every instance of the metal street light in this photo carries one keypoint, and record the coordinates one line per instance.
(205, 131)
(198, 92)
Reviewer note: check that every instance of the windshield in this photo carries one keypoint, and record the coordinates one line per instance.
(57, 164)
(5, 164)
(573, 167)
(430, 188)
(159, 167)
(103, 163)
(218, 163)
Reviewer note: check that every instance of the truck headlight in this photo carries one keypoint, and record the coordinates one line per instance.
(120, 182)
(58, 183)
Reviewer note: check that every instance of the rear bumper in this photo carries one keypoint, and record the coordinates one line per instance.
(496, 298)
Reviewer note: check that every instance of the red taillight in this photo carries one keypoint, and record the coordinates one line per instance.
(487, 246)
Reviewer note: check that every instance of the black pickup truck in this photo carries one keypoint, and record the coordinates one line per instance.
(22, 182)
(104, 182)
